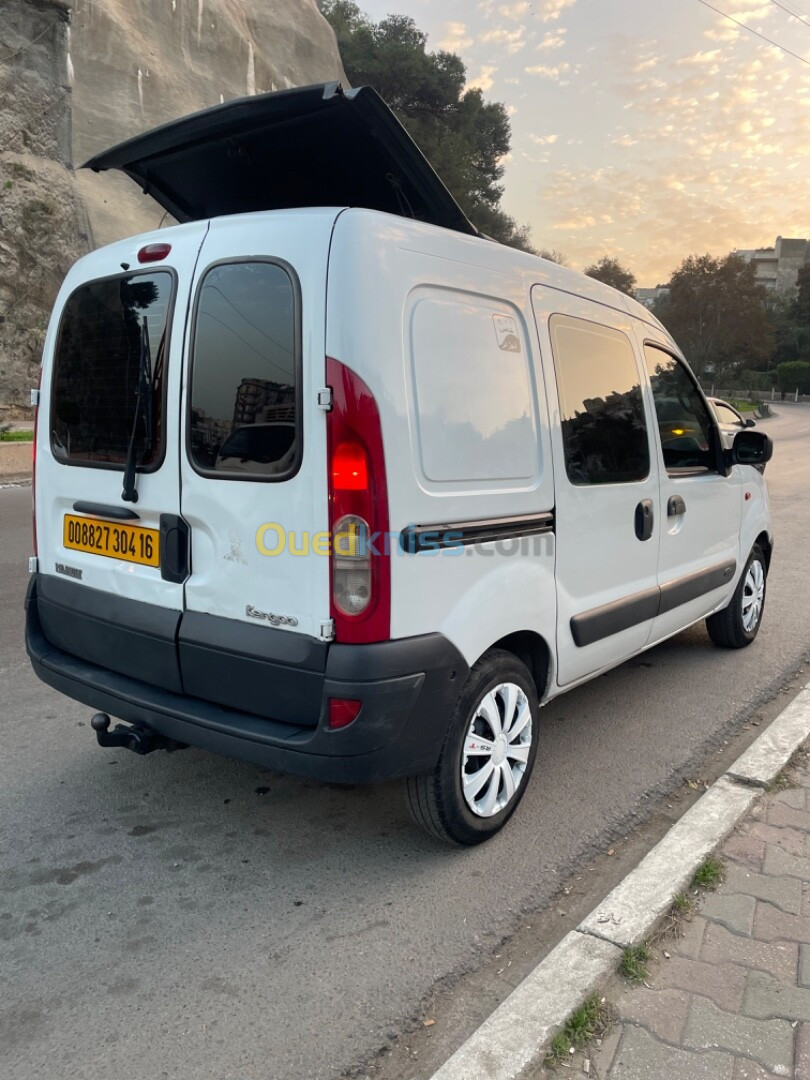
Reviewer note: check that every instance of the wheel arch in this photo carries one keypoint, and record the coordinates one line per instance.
(766, 543)
(532, 650)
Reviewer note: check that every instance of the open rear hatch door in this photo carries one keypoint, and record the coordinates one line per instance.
(311, 146)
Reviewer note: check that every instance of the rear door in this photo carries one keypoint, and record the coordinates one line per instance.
(112, 390)
(110, 396)
(253, 459)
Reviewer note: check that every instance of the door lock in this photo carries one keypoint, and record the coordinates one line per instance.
(645, 518)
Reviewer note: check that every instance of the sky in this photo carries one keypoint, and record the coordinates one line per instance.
(643, 129)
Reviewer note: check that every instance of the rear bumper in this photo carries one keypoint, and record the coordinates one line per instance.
(408, 689)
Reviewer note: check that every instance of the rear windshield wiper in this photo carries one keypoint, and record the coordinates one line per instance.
(143, 400)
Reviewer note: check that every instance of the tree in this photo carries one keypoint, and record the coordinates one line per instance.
(463, 136)
(791, 338)
(612, 272)
(715, 310)
(553, 255)
(801, 308)
(795, 375)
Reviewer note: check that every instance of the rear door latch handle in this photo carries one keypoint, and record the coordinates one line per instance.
(645, 518)
(676, 506)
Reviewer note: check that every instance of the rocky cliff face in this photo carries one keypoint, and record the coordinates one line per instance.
(76, 78)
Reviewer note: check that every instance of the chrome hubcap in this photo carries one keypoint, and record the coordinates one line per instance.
(753, 597)
(496, 750)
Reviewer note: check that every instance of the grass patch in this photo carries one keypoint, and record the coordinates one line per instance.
(634, 963)
(16, 436)
(37, 215)
(743, 406)
(787, 777)
(681, 911)
(709, 874)
(781, 782)
(683, 904)
(590, 1021)
(19, 171)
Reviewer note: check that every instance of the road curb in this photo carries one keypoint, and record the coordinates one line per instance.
(514, 1036)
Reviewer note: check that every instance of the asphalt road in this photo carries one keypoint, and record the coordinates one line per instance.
(186, 916)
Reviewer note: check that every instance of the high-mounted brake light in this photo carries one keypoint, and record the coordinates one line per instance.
(358, 511)
(153, 253)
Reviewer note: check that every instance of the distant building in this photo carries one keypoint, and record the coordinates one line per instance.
(777, 267)
(262, 401)
(650, 297)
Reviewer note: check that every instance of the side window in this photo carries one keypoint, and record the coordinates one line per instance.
(684, 423)
(472, 390)
(244, 421)
(601, 405)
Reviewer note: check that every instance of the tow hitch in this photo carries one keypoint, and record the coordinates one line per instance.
(139, 739)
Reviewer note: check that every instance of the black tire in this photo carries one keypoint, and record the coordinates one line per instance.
(727, 627)
(435, 800)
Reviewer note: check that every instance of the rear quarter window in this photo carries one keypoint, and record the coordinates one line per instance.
(245, 374)
(474, 397)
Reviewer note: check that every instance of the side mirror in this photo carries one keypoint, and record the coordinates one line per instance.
(751, 448)
(750, 422)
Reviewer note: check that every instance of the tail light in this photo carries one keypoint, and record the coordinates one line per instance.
(35, 397)
(358, 511)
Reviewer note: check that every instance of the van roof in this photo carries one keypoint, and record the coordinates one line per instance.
(310, 146)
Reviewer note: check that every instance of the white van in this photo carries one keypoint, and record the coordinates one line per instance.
(349, 491)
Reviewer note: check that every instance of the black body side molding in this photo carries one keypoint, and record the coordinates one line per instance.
(599, 623)
(416, 538)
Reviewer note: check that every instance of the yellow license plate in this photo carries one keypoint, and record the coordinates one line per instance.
(132, 543)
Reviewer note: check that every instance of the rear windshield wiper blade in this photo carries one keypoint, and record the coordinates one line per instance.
(143, 401)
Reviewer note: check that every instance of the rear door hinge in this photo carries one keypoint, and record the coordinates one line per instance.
(325, 399)
(33, 564)
(35, 398)
(327, 630)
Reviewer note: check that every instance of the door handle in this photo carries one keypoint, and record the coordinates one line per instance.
(645, 519)
(175, 556)
(676, 506)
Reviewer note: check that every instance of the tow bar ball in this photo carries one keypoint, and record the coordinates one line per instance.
(139, 739)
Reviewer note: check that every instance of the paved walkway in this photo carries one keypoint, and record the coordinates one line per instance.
(730, 998)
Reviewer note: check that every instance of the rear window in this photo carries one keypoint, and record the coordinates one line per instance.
(109, 372)
(245, 382)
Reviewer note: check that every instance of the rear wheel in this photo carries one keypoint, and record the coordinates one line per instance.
(737, 624)
(487, 757)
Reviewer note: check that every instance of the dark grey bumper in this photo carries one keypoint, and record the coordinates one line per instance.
(408, 687)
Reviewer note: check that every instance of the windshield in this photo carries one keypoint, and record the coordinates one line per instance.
(102, 395)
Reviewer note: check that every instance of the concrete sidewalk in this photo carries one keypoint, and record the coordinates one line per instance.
(729, 998)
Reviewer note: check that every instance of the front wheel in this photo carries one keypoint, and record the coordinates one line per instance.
(737, 624)
(487, 757)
